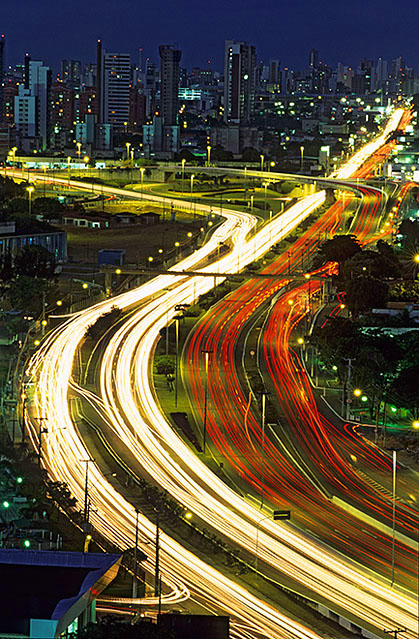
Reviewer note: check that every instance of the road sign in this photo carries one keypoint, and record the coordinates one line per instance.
(281, 514)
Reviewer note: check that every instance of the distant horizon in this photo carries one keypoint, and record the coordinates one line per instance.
(56, 64)
(344, 33)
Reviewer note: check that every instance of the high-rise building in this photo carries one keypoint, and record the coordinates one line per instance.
(313, 60)
(116, 85)
(71, 73)
(275, 72)
(32, 104)
(169, 83)
(239, 81)
(2, 52)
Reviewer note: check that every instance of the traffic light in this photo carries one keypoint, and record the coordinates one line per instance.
(19, 480)
(27, 543)
(6, 504)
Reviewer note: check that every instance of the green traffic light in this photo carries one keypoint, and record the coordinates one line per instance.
(6, 504)
(27, 543)
(19, 480)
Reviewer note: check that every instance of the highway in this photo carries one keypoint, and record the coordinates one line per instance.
(128, 405)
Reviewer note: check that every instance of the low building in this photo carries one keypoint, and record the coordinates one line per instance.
(149, 217)
(111, 257)
(13, 238)
(98, 221)
(48, 594)
(126, 218)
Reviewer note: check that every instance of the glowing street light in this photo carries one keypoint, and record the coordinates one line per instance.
(357, 392)
(128, 144)
(302, 158)
(30, 190)
(208, 154)
(262, 160)
(78, 145)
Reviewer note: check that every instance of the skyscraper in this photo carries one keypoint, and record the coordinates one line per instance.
(113, 75)
(32, 104)
(116, 85)
(239, 81)
(169, 83)
(71, 73)
(2, 47)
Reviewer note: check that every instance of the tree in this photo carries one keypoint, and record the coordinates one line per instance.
(365, 293)
(112, 628)
(26, 293)
(48, 207)
(103, 323)
(35, 261)
(9, 189)
(372, 263)
(404, 390)
(340, 248)
(249, 154)
(18, 206)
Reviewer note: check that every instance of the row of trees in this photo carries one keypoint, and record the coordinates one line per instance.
(363, 274)
(384, 366)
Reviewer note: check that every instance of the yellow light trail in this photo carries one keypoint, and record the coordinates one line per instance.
(128, 406)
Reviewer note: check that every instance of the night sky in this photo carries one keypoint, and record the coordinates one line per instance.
(343, 31)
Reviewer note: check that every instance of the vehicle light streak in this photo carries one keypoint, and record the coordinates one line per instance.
(129, 408)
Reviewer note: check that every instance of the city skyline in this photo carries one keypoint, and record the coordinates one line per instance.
(286, 34)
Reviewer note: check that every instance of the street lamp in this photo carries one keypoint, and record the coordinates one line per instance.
(30, 190)
(192, 179)
(78, 145)
(208, 155)
(86, 491)
(68, 168)
(183, 171)
(142, 179)
(128, 144)
(302, 158)
(206, 354)
(416, 265)
(262, 159)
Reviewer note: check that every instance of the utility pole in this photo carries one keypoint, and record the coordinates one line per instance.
(263, 414)
(206, 354)
(157, 566)
(348, 386)
(86, 492)
(393, 517)
(42, 431)
(134, 580)
(395, 632)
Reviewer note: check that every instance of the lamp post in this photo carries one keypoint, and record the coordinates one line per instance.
(177, 319)
(262, 160)
(192, 179)
(206, 354)
(208, 154)
(183, 172)
(30, 190)
(393, 516)
(302, 158)
(78, 145)
(134, 576)
(86, 492)
(142, 179)
(416, 266)
(284, 515)
(263, 416)
(68, 168)
(128, 144)
(265, 184)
